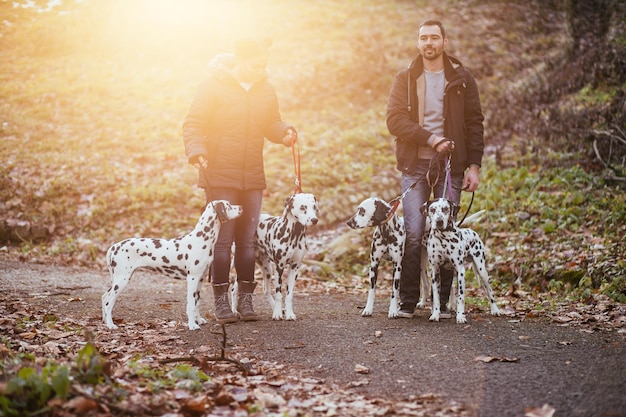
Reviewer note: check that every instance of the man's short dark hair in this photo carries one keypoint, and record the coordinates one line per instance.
(435, 22)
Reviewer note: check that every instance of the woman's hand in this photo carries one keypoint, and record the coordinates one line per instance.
(290, 137)
(200, 162)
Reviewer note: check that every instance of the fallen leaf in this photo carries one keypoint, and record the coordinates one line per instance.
(358, 383)
(28, 335)
(195, 406)
(80, 405)
(545, 411)
(360, 369)
(488, 359)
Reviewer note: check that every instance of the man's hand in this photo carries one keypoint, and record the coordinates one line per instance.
(471, 180)
(201, 163)
(289, 138)
(443, 145)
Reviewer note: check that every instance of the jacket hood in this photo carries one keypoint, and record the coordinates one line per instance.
(417, 65)
(222, 62)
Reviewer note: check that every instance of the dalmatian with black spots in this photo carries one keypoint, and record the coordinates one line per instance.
(281, 246)
(449, 245)
(425, 280)
(387, 243)
(186, 257)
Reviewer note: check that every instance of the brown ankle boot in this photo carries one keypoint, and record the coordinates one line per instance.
(244, 301)
(223, 312)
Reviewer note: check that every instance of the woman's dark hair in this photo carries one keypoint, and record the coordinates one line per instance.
(249, 47)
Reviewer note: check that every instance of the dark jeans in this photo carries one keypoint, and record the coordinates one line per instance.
(239, 231)
(414, 224)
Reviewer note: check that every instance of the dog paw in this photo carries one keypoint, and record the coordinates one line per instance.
(434, 317)
(112, 326)
(495, 311)
(291, 316)
(460, 318)
(201, 320)
(421, 304)
(193, 326)
(393, 312)
(366, 313)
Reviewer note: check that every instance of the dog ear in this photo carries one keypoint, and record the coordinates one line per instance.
(288, 205)
(381, 212)
(424, 208)
(455, 207)
(220, 209)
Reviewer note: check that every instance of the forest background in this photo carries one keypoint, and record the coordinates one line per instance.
(93, 94)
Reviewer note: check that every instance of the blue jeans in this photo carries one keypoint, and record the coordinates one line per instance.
(414, 225)
(239, 231)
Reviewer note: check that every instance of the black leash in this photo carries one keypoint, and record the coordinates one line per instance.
(447, 186)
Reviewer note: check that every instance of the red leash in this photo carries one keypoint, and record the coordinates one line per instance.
(295, 153)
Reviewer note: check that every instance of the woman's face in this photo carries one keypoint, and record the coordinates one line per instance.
(253, 68)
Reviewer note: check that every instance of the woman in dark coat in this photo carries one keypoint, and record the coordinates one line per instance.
(224, 133)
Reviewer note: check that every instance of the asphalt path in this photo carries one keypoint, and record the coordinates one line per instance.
(493, 366)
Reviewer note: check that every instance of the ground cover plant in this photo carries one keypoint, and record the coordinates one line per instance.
(93, 94)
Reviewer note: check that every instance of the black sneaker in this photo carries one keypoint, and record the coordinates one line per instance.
(445, 313)
(407, 311)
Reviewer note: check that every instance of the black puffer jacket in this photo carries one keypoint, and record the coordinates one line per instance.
(463, 117)
(228, 125)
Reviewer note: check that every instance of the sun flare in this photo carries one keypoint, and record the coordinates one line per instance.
(175, 26)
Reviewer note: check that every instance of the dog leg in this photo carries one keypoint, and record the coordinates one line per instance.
(424, 279)
(234, 296)
(481, 271)
(267, 271)
(452, 299)
(193, 297)
(119, 281)
(460, 311)
(371, 293)
(291, 284)
(436, 307)
(394, 303)
(277, 307)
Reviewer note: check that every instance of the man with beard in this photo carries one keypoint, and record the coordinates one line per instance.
(434, 111)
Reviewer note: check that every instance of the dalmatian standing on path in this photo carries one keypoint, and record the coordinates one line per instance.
(387, 243)
(186, 257)
(281, 245)
(450, 245)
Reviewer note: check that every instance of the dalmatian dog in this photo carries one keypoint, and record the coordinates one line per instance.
(449, 245)
(387, 243)
(281, 246)
(424, 280)
(185, 257)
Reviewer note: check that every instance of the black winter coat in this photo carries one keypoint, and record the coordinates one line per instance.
(463, 117)
(228, 125)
